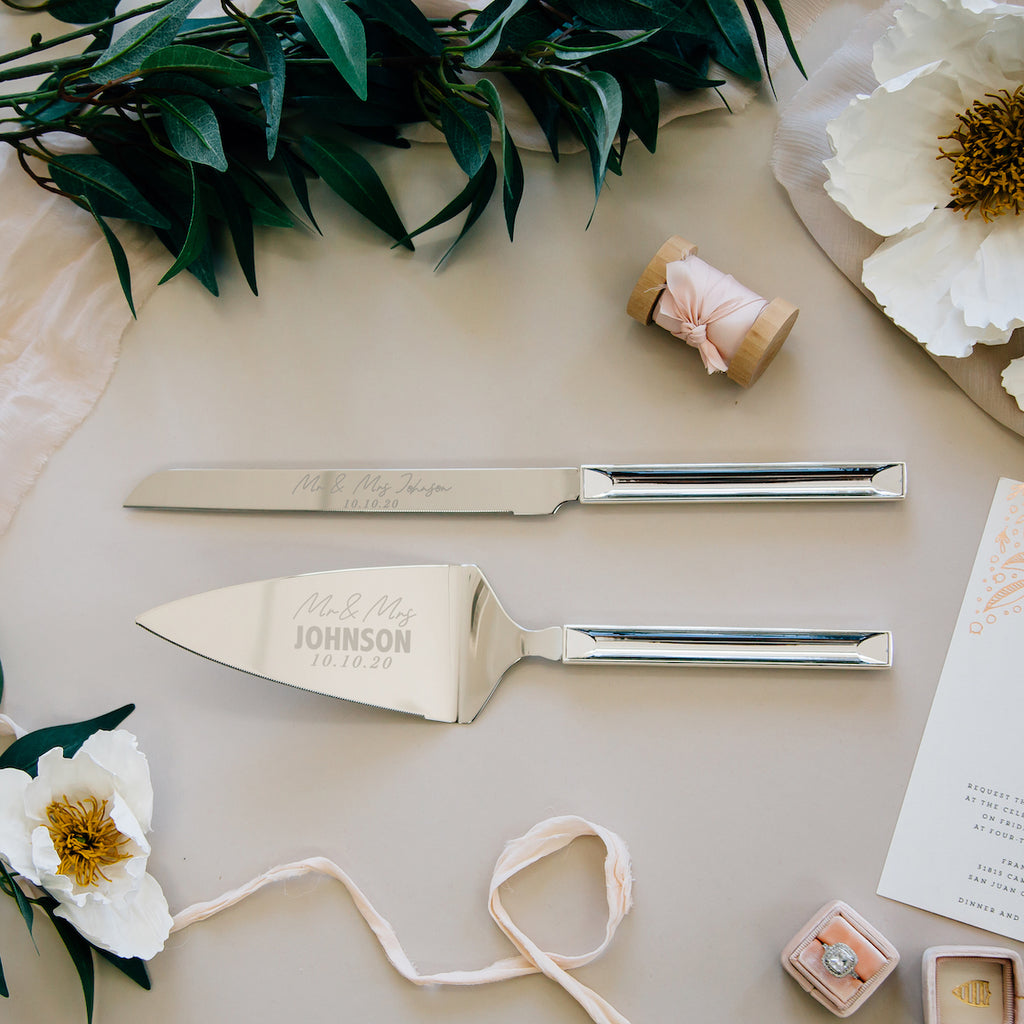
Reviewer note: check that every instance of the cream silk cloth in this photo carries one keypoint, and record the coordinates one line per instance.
(62, 314)
(800, 147)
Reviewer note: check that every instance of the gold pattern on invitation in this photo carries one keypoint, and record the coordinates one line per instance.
(1004, 583)
(974, 992)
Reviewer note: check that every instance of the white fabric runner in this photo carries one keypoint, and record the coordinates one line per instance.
(62, 314)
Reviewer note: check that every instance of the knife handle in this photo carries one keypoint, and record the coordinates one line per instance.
(770, 481)
(795, 648)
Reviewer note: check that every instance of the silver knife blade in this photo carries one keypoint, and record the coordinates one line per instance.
(536, 491)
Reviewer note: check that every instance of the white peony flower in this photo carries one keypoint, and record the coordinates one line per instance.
(78, 830)
(933, 160)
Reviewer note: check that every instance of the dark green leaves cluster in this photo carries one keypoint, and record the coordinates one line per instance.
(205, 130)
(23, 754)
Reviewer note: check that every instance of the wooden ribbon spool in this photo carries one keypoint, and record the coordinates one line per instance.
(763, 339)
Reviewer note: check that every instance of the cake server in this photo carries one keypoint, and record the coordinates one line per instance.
(433, 640)
(538, 491)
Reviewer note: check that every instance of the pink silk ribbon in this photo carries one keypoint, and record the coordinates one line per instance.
(543, 839)
(707, 309)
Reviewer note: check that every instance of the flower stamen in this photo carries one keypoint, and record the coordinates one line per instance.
(988, 169)
(85, 838)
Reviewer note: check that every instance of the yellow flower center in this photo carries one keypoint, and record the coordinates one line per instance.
(988, 168)
(85, 838)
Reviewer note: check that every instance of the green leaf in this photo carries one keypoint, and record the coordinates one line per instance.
(487, 28)
(578, 53)
(351, 177)
(338, 29)
(124, 273)
(126, 53)
(4, 990)
(80, 952)
(467, 129)
(619, 15)
(133, 967)
(239, 220)
(476, 195)
(81, 12)
(641, 108)
(779, 17)
(1, 681)
(104, 187)
(196, 235)
(511, 164)
(24, 753)
(601, 101)
(206, 65)
(406, 20)
(193, 131)
(296, 172)
(265, 52)
(24, 907)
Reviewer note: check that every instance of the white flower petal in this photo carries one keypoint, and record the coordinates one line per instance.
(137, 926)
(910, 275)
(1013, 380)
(929, 30)
(15, 844)
(61, 778)
(989, 288)
(885, 173)
(118, 752)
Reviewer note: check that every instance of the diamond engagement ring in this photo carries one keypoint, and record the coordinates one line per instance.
(839, 960)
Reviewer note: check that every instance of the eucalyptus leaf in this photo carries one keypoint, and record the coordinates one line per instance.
(340, 32)
(24, 753)
(351, 177)
(124, 273)
(296, 172)
(131, 967)
(206, 65)
(511, 164)
(239, 221)
(641, 108)
(193, 131)
(80, 952)
(467, 129)
(487, 30)
(734, 52)
(125, 54)
(574, 53)
(406, 20)
(81, 12)
(601, 102)
(475, 196)
(4, 990)
(104, 187)
(265, 52)
(779, 17)
(619, 15)
(24, 907)
(196, 235)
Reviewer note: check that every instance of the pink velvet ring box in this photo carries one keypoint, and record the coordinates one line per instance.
(839, 926)
(972, 985)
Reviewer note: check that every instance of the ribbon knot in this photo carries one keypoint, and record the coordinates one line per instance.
(700, 302)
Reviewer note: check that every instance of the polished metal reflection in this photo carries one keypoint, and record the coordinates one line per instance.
(457, 642)
(538, 491)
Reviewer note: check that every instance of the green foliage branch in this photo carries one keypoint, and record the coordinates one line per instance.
(205, 129)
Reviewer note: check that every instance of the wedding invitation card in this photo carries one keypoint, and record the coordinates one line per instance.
(958, 847)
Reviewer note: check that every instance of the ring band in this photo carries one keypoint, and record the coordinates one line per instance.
(839, 960)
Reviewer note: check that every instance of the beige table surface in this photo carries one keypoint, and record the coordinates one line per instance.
(747, 798)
